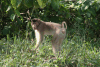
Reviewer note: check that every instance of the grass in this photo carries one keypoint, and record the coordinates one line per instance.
(77, 51)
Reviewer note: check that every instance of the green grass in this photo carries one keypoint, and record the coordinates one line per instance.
(76, 52)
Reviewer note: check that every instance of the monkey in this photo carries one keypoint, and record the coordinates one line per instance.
(42, 28)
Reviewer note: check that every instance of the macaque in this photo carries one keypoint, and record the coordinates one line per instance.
(42, 28)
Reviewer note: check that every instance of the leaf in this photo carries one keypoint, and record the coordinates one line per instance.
(92, 11)
(28, 3)
(12, 17)
(97, 7)
(88, 14)
(19, 21)
(9, 7)
(6, 30)
(36, 5)
(18, 14)
(84, 7)
(95, 21)
(78, 19)
(42, 3)
(82, 1)
(13, 2)
(55, 4)
(16, 3)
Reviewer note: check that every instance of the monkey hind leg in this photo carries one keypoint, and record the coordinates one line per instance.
(56, 46)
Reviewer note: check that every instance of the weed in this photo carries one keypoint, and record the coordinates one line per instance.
(76, 52)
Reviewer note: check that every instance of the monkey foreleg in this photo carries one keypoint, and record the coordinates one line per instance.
(39, 39)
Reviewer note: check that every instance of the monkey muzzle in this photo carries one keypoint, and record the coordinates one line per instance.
(33, 26)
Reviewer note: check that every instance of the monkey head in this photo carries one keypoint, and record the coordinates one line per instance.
(35, 23)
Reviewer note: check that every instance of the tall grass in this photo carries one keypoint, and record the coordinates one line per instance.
(77, 51)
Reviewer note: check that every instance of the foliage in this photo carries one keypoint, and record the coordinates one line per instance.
(76, 52)
(14, 15)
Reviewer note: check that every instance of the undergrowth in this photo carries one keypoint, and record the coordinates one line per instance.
(76, 52)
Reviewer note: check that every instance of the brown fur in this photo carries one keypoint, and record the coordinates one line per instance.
(49, 28)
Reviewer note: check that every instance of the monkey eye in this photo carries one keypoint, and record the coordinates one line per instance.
(34, 20)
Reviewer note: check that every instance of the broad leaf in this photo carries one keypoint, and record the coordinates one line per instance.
(36, 5)
(55, 4)
(78, 19)
(19, 21)
(16, 3)
(28, 3)
(9, 7)
(6, 30)
(42, 3)
(92, 11)
(18, 14)
(95, 21)
(88, 14)
(97, 7)
(12, 17)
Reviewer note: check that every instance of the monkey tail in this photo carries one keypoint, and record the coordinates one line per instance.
(63, 24)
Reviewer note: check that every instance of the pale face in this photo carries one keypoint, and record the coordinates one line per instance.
(34, 27)
(34, 23)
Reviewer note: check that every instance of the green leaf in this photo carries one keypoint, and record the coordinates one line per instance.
(12, 17)
(42, 3)
(86, 7)
(92, 11)
(36, 5)
(78, 19)
(28, 3)
(16, 3)
(95, 21)
(55, 4)
(19, 21)
(9, 7)
(88, 14)
(97, 7)
(82, 1)
(6, 30)
(18, 14)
